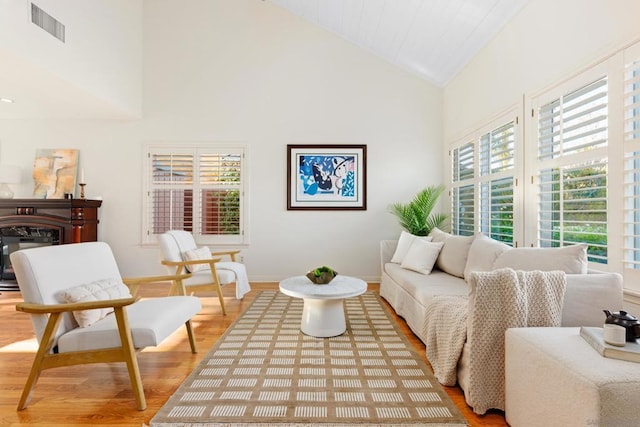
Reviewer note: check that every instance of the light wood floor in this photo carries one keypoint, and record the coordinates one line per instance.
(100, 394)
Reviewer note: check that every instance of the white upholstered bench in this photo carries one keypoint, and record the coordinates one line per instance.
(555, 378)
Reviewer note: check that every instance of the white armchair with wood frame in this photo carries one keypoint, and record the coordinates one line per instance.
(83, 311)
(209, 270)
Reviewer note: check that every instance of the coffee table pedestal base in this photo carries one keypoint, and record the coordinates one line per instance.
(323, 309)
(323, 318)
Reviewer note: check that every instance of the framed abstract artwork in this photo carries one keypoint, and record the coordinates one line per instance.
(54, 172)
(326, 177)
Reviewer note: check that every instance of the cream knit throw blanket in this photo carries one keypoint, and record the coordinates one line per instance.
(499, 299)
(445, 328)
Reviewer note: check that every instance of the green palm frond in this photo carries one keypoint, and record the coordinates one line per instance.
(416, 216)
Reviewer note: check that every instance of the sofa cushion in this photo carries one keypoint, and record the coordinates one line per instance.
(404, 243)
(483, 253)
(100, 290)
(570, 259)
(453, 256)
(421, 256)
(422, 288)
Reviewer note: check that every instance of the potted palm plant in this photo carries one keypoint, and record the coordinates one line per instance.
(417, 217)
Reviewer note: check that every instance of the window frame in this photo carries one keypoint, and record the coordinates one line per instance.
(562, 162)
(480, 179)
(197, 150)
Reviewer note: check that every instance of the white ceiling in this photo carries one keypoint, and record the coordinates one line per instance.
(434, 39)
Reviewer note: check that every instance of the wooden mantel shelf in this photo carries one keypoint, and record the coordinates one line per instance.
(76, 219)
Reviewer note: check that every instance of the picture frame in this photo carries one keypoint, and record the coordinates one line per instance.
(326, 177)
(54, 172)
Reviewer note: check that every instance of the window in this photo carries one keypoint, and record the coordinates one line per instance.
(462, 209)
(199, 189)
(482, 182)
(581, 160)
(572, 169)
(632, 159)
(497, 157)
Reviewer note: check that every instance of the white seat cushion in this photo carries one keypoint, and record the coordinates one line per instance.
(424, 287)
(151, 321)
(204, 278)
(555, 378)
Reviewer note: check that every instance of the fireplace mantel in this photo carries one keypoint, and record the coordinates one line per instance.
(77, 219)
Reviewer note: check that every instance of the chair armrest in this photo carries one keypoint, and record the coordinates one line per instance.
(232, 254)
(387, 249)
(176, 280)
(33, 308)
(132, 281)
(195, 261)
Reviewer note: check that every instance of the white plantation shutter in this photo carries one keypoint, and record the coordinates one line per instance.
(497, 150)
(172, 192)
(573, 207)
(198, 189)
(574, 123)
(632, 160)
(463, 210)
(482, 181)
(572, 169)
(496, 209)
(220, 189)
(463, 159)
(463, 189)
(632, 211)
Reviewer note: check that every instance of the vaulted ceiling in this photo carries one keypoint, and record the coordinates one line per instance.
(434, 39)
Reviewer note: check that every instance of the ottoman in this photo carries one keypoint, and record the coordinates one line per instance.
(553, 377)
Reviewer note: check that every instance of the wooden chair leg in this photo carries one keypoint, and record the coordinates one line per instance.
(178, 288)
(220, 297)
(174, 290)
(192, 338)
(129, 354)
(43, 350)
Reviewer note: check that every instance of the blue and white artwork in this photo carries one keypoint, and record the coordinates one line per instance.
(327, 175)
(324, 177)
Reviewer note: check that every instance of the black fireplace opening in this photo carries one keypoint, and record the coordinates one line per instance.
(19, 237)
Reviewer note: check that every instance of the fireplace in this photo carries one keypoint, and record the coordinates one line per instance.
(26, 223)
(22, 237)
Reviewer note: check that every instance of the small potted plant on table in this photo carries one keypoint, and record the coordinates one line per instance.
(322, 275)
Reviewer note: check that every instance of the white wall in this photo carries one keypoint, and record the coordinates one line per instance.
(247, 71)
(96, 71)
(549, 40)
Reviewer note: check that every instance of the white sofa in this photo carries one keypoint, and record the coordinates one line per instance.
(410, 292)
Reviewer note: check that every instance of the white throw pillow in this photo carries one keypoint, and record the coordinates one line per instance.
(100, 290)
(404, 243)
(453, 256)
(483, 253)
(421, 256)
(570, 259)
(196, 255)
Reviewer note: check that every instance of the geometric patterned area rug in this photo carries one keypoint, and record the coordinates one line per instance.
(264, 372)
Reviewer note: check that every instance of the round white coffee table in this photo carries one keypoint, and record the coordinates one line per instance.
(323, 310)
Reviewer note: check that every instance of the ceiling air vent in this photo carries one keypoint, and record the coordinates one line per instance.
(47, 22)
